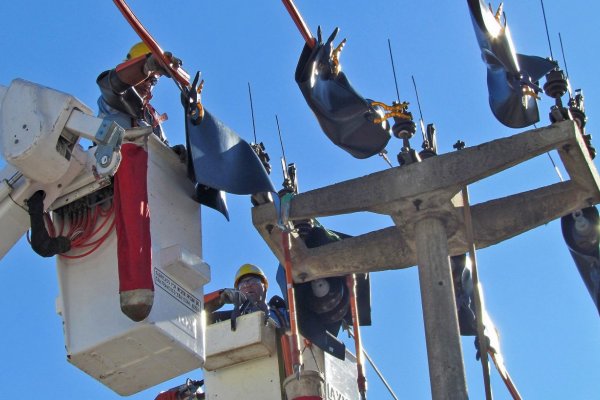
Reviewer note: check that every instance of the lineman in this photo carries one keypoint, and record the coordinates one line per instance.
(247, 296)
(126, 91)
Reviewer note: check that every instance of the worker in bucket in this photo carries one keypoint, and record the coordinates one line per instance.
(248, 295)
(126, 91)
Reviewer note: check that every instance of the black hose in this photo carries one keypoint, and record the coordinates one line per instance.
(41, 242)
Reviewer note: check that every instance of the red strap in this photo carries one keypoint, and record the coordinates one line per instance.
(132, 219)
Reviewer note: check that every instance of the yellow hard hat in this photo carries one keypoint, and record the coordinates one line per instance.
(249, 269)
(137, 50)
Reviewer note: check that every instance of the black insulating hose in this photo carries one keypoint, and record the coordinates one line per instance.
(41, 242)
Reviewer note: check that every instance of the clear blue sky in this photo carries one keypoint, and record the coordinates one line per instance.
(550, 330)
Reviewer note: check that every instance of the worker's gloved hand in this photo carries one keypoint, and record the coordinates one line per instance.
(153, 66)
(232, 296)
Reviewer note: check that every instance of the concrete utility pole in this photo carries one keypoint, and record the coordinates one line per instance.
(446, 371)
(425, 203)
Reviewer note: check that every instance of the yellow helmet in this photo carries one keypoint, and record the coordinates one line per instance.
(249, 269)
(137, 50)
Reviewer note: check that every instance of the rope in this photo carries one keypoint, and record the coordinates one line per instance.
(308, 345)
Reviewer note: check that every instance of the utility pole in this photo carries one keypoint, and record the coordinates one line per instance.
(425, 202)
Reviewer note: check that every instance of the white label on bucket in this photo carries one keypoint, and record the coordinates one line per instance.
(176, 291)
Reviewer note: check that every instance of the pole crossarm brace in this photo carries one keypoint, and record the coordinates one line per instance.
(432, 188)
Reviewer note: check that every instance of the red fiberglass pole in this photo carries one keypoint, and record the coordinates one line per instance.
(178, 74)
(361, 379)
(296, 357)
(299, 21)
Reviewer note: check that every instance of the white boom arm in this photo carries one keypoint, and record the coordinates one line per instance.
(40, 130)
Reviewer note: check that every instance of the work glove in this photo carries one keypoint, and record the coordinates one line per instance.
(153, 66)
(232, 296)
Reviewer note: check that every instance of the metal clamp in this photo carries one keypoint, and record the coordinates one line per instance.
(109, 138)
(396, 110)
(283, 215)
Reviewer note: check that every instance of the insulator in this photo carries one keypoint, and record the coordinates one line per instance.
(580, 231)
(558, 114)
(303, 227)
(263, 156)
(579, 116)
(583, 235)
(404, 128)
(556, 84)
(588, 142)
(323, 303)
(408, 156)
(339, 311)
(320, 287)
(427, 153)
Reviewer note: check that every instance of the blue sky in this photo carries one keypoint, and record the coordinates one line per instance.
(548, 324)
